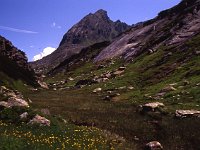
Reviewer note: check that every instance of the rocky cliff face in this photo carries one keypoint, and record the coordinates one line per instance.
(14, 63)
(9, 51)
(94, 28)
(172, 27)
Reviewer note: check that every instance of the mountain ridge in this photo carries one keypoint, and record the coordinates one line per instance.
(171, 27)
(93, 28)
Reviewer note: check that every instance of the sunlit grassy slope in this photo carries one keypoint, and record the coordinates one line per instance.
(148, 74)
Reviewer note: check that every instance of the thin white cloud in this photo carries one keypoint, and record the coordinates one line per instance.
(46, 51)
(54, 25)
(17, 30)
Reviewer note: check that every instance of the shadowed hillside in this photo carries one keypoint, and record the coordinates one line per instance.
(14, 65)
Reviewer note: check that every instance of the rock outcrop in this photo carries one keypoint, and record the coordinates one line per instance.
(14, 63)
(14, 98)
(14, 54)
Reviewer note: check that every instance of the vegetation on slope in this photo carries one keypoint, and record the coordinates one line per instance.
(148, 74)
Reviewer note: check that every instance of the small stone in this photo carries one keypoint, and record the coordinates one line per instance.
(43, 85)
(117, 94)
(70, 79)
(29, 100)
(152, 106)
(121, 68)
(109, 92)
(181, 87)
(97, 90)
(197, 52)
(12, 101)
(173, 84)
(168, 88)
(118, 72)
(3, 88)
(107, 98)
(187, 113)
(45, 111)
(198, 84)
(130, 87)
(34, 89)
(136, 138)
(185, 82)
(154, 145)
(108, 75)
(122, 88)
(42, 121)
(100, 67)
(4, 104)
(104, 79)
(161, 94)
(24, 115)
(169, 54)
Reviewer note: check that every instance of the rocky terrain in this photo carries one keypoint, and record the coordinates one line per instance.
(14, 65)
(93, 28)
(114, 88)
(10, 100)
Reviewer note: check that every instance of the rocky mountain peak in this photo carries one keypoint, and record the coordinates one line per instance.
(93, 28)
(84, 32)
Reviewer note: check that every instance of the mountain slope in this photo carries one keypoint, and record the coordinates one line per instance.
(170, 76)
(164, 68)
(14, 65)
(94, 28)
(171, 27)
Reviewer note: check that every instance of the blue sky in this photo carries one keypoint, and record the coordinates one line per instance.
(33, 25)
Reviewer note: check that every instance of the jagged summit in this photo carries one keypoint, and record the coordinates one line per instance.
(101, 14)
(101, 11)
(92, 29)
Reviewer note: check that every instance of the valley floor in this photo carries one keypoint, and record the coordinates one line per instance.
(120, 120)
